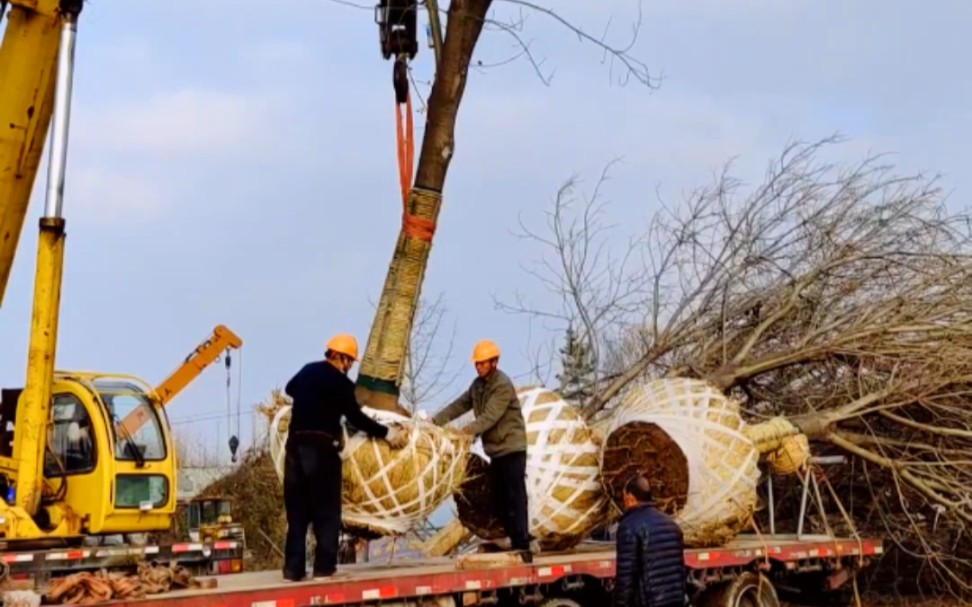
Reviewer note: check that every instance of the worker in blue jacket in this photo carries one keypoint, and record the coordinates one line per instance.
(322, 395)
(650, 568)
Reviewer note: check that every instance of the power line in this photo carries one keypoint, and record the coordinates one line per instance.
(203, 418)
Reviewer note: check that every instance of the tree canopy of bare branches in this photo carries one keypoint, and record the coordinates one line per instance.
(835, 295)
(428, 371)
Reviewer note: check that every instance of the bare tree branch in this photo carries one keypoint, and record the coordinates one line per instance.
(428, 371)
(837, 296)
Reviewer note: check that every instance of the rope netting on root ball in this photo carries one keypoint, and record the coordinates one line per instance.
(565, 499)
(385, 490)
(687, 438)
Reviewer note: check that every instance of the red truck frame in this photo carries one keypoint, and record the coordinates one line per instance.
(750, 571)
(201, 558)
(812, 566)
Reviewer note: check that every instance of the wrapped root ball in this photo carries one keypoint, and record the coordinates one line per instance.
(278, 439)
(387, 491)
(565, 498)
(686, 437)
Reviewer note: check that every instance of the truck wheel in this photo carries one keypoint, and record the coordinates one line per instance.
(748, 590)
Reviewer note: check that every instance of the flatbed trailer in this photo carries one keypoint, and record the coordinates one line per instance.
(37, 567)
(735, 574)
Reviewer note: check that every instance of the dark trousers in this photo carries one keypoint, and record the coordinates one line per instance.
(312, 496)
(508, 485)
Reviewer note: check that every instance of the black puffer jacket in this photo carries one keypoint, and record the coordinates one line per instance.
(650, 561)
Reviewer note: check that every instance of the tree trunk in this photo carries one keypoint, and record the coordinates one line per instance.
(383, 363)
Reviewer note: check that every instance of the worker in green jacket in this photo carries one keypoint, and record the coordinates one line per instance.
(499, 421)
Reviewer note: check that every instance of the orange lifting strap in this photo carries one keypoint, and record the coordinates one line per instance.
(406, 146)
(412, 226)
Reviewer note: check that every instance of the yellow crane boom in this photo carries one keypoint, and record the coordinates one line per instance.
(30, 441)
(204, 355)
(28, 67)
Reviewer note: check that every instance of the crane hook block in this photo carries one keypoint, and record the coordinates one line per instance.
(234, 444)
(397, 27)
(400, 80)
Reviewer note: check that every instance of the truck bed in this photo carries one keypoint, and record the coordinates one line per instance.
(374, 581)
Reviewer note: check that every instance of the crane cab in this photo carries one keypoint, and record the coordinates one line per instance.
(109, 465)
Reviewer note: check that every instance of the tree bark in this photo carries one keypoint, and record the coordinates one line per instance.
(383, 363)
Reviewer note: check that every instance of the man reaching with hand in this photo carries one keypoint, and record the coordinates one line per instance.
(499, 421)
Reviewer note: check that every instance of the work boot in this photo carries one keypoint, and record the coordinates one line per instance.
(503, 543)
(527, 556)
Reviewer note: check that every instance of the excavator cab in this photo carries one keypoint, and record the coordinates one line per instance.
(103, 473)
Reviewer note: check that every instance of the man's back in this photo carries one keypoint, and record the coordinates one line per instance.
(651, 560)
(310, 389)
(322, 395)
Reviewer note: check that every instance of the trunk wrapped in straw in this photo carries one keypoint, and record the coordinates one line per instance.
(687, 438)
(388, 491)
(564, 493)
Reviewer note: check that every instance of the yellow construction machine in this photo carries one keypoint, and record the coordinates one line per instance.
(108, 462)
(81, 453)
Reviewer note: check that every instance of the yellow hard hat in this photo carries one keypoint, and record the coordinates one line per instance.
(344, 343)
(484, 350)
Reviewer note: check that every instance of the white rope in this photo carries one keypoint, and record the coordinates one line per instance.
(428, 469)
(565, 497)
(722, 462)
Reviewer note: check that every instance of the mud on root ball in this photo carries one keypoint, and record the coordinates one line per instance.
(474, 501)
(644, 448)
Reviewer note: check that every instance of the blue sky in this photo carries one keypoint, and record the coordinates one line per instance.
(233, 162)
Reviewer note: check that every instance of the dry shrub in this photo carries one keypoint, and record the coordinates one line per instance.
(258, 505)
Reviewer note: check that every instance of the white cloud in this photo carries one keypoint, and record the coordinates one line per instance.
(183, 122)
(100, 196)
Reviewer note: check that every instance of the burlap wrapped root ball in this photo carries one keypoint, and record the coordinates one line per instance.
(785, 449)
(388, 491)
(565, 498)
(686, 437)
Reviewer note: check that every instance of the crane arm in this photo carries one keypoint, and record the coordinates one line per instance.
(28, 69)
(204, 355)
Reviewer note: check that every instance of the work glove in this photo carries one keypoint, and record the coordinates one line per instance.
(397, 437)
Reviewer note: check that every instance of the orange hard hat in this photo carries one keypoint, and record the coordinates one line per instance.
(344, 343)
(485, 349)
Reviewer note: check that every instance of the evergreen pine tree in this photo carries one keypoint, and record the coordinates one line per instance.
(577, 368)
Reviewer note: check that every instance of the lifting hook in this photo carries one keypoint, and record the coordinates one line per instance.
(400, 79)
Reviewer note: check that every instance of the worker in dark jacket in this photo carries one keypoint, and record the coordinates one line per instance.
(322, 394)
(650, 568)
(499, 421)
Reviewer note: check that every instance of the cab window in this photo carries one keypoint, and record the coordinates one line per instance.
(70, 437)
(135, 425)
